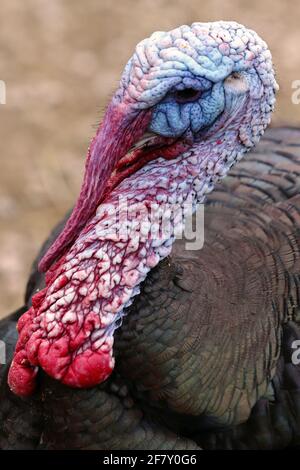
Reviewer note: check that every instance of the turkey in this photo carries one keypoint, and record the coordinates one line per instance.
(132, 341)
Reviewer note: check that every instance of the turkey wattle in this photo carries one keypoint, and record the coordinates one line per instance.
(191, 102)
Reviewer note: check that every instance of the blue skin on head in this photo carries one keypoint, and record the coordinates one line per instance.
(201, 57)
(171, 117)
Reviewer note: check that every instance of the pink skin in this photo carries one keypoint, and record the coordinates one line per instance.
(114, 137)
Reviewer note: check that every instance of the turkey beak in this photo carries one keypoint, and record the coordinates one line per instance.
(146, 140)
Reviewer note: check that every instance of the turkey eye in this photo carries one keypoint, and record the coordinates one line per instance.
(187, 95)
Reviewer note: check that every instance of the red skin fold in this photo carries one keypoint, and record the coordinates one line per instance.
(61, 354)
(84, 370)
(118, 131)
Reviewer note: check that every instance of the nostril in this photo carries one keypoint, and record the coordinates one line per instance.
(187, 95)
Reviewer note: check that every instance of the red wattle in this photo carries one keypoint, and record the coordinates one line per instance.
(63, 350)
(22, 375)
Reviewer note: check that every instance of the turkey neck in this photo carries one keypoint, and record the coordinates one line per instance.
(69, 331)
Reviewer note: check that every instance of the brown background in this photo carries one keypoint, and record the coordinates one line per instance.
(61, 60)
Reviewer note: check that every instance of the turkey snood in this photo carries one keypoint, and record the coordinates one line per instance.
(190, 103)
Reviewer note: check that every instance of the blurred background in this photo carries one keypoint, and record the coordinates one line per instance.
(61, 61)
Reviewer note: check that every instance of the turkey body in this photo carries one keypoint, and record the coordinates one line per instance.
(205, 357)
